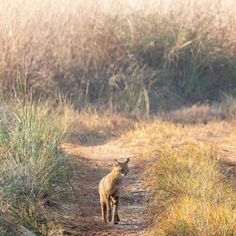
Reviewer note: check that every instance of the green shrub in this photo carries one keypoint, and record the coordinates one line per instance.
(31, 163)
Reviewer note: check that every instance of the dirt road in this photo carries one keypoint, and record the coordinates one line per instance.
(82, 216)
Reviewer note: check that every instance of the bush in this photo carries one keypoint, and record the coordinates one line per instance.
(31, 164)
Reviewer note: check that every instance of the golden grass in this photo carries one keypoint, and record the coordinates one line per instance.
(138, 60)
(133, 59)
(191, 196)
(194, 217)
(149, 138)
(91, 126)
(190, 193)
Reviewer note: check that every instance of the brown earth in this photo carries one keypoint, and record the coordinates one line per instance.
(82, 216)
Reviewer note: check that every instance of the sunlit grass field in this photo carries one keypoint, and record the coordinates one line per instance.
(190, 192)
(91, 71)
(191, 195)
(132, 56)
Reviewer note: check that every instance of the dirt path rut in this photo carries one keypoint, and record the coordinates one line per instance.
(82, 216)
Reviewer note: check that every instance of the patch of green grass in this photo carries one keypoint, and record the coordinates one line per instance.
(31, 163)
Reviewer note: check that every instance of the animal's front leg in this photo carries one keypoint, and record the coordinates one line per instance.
(109, 210)
(115, 217)
(118, 218)
(104, 212)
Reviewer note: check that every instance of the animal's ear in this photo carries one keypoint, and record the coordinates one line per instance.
(117, 162)
(127, 160)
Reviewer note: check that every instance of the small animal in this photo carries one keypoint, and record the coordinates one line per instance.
(109, 190)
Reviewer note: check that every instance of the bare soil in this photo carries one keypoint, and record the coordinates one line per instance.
(82, 215)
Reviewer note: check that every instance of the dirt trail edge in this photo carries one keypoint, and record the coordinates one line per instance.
(82, 216)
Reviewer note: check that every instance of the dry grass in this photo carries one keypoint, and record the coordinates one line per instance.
(92, 127)
(149, 138)
(196, 114)
(191, 196)
(195, 217)
(190, 193)
(142, 60)
(148, 58)
(204, 113)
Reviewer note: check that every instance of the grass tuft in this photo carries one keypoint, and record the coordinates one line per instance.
(32, 164)
(191, 196)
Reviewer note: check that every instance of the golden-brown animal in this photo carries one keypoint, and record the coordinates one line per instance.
(109, 191)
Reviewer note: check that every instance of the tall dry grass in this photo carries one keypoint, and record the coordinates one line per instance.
(133, 56)
(190, 194)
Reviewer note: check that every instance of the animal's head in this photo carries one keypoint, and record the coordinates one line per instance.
(122, 167)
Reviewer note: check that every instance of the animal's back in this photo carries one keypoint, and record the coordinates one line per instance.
(104, 187)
